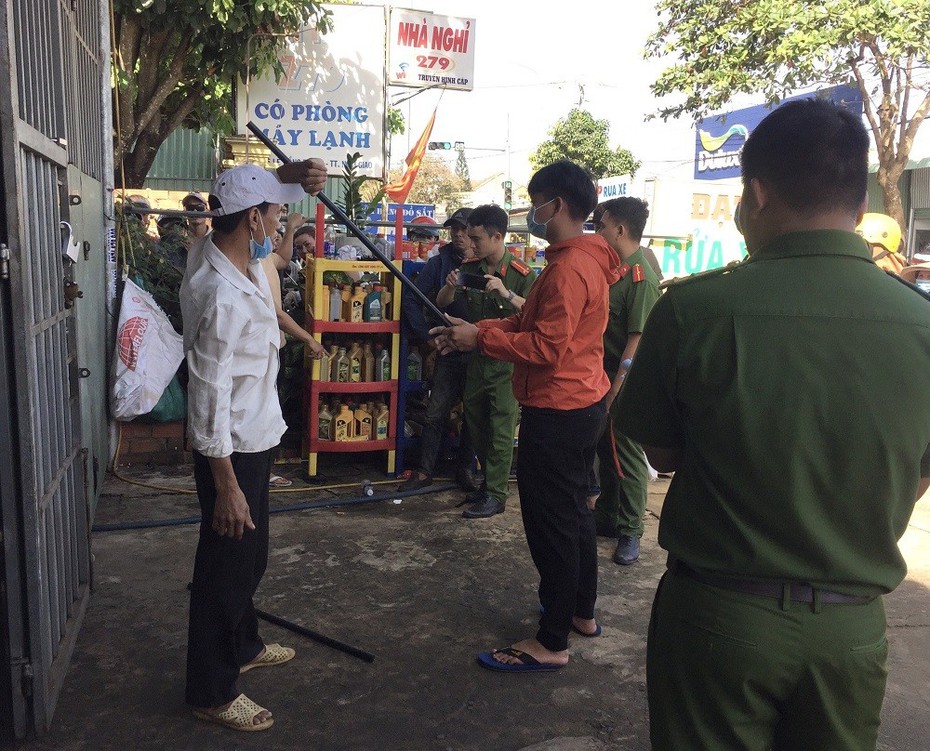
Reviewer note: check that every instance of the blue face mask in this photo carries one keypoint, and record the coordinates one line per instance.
(259, 251)
(537, 229)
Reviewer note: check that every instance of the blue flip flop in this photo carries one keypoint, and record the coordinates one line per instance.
(527, 663)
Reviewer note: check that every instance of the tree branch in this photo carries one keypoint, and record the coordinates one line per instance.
(167, 85)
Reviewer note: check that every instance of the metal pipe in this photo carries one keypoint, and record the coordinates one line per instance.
(350, 225)
(316, 636)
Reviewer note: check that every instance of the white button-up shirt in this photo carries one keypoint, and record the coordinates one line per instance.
(231, 341)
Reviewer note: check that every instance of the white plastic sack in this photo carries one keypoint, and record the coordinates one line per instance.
(147, 355)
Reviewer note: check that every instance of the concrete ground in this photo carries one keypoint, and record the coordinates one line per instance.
(423, 590)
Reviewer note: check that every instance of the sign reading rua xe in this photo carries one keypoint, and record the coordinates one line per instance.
(720, 138)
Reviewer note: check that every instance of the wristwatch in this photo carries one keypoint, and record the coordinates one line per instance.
(510, 296)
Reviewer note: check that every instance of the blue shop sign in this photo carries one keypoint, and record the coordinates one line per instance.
(720, 138)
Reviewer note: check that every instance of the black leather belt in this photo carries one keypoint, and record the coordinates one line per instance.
(789, 591)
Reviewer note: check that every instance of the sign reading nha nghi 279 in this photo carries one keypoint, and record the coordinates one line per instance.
(431, 50)
(330, 100)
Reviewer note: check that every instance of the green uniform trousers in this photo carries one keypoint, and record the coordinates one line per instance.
(728, 671)
(491, 415)
(622, 503)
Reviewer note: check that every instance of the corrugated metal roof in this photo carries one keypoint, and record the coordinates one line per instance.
(185, 161)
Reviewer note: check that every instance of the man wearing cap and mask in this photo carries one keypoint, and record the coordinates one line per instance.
(234, 422)
(197, 226)
(449, 373)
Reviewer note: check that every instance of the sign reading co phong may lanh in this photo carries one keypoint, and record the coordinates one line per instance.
(431, 50)
(720, 138)
(330, 102)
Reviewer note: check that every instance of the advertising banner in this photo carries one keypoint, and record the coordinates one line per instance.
(426, 49)
(330, 102)
(411, 212)
(613, 187)
(720, 138)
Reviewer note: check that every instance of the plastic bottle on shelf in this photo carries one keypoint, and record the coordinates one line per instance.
(385, 302)
(383, 365)
(333, 363)
(355, 363)
(382, 421)
(344, 424)
(335, 303)
(325, 422)
(368, 363)
(357, 303)
(329, 243)
(343, 366)
(414, 365)
(326, 365)
(346, 293)
(373, 310)
(362, 422)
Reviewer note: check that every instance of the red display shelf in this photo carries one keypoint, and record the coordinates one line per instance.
(321, 446)
(337, 327)
(367, 387)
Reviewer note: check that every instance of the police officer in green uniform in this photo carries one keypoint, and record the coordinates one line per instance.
(490, 406)
(764, 387)
(624, 475)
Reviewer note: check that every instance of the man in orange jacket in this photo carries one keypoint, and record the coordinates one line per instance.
(556, 346)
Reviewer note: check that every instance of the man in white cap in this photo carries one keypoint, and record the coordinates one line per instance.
(234, 422)
(197, 226)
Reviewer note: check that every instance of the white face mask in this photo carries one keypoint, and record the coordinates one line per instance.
(923, 285)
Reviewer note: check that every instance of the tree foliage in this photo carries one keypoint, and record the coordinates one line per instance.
(775, 48)
(175, 61)
(461, 170)
(436, 183)
(584, 140)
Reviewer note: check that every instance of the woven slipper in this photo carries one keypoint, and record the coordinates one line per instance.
(527, 663)
(239, 715)
(276, 481)
(274, 654)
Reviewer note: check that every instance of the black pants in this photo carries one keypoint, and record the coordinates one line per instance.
(223, 628)
(556, 454)
(447, 389)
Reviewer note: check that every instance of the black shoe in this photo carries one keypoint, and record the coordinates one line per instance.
(415, 482)
(466, 479)
(487, 506)
(627, 550)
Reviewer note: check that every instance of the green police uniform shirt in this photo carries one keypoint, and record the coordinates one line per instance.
(516, 275)
(797, 387)
(631, 300)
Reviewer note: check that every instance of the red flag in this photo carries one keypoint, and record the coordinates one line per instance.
(398, 191)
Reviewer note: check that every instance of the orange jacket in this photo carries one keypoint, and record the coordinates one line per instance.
(556, 342)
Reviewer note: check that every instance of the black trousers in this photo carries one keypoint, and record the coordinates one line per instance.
(223, 628)
(556, 454)
(448, 387)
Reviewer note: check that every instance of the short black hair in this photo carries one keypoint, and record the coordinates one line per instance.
(631, 212)
(306, 229)
(492, 218)
(228, 223)
(813, 153)
(566, 180)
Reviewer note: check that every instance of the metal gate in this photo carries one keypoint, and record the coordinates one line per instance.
(50, 116)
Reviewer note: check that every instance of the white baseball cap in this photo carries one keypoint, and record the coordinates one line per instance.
(249, 185)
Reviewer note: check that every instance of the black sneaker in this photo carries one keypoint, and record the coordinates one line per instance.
(487, 506)
(415, 482)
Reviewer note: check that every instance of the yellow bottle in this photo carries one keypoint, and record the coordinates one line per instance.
(344, 424)
(368, 363)
(346, 302)
(355, 363)
(356, 313)
(382, 421)
(363, 423)
(343, 367)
